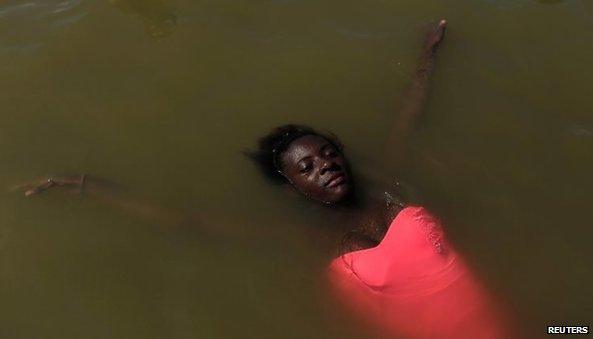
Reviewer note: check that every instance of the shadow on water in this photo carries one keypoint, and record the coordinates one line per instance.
(158, 16)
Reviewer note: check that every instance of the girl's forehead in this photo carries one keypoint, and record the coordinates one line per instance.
(305, 145)
(308, 141)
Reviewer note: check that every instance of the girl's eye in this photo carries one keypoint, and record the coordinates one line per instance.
(305, 168)
(331, 153)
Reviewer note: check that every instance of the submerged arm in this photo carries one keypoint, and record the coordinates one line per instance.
(110, 194)
(120, 198)
(415, 98)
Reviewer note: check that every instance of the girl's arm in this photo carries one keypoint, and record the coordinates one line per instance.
(416, 95)
(111, 194)
(116, 196)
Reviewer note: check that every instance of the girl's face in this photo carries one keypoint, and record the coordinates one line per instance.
(317, 169)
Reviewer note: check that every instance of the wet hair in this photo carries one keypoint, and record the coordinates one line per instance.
(271, 146)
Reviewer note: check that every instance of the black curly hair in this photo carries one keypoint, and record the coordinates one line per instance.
(272, 145)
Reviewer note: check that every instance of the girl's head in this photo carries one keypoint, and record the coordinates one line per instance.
(312, 162)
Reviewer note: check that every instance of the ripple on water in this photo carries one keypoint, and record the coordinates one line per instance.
(549, 2)
(580, 130)
(515, 4)
(26, 25)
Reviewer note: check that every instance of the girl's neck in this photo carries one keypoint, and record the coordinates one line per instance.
(367, 218)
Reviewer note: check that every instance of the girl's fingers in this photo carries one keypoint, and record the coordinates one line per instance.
(27, 185)
(38, 186)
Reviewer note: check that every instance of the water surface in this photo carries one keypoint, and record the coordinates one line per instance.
(163, 97)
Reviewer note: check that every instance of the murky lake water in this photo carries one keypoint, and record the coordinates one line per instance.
(163, 97)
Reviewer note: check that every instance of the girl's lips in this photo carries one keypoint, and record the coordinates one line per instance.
(338, 180)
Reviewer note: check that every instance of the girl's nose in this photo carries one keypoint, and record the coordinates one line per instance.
(326, 166)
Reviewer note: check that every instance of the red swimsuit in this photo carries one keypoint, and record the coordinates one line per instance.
(414, 284)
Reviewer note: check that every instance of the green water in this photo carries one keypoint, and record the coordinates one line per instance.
(163, 97)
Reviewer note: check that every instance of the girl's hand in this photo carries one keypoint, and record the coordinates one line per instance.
(70, 181)
(434, 38)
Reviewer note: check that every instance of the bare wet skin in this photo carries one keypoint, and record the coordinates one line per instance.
(503, 154)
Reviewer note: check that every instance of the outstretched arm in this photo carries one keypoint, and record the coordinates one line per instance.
(120, 198)
(415, 98)
(111, 194)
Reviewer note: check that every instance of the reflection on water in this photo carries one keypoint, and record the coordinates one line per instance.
(158, 16)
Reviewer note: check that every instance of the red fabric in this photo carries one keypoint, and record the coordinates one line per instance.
(414, 285)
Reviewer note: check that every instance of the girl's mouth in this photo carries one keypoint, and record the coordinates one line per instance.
(336, 180)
